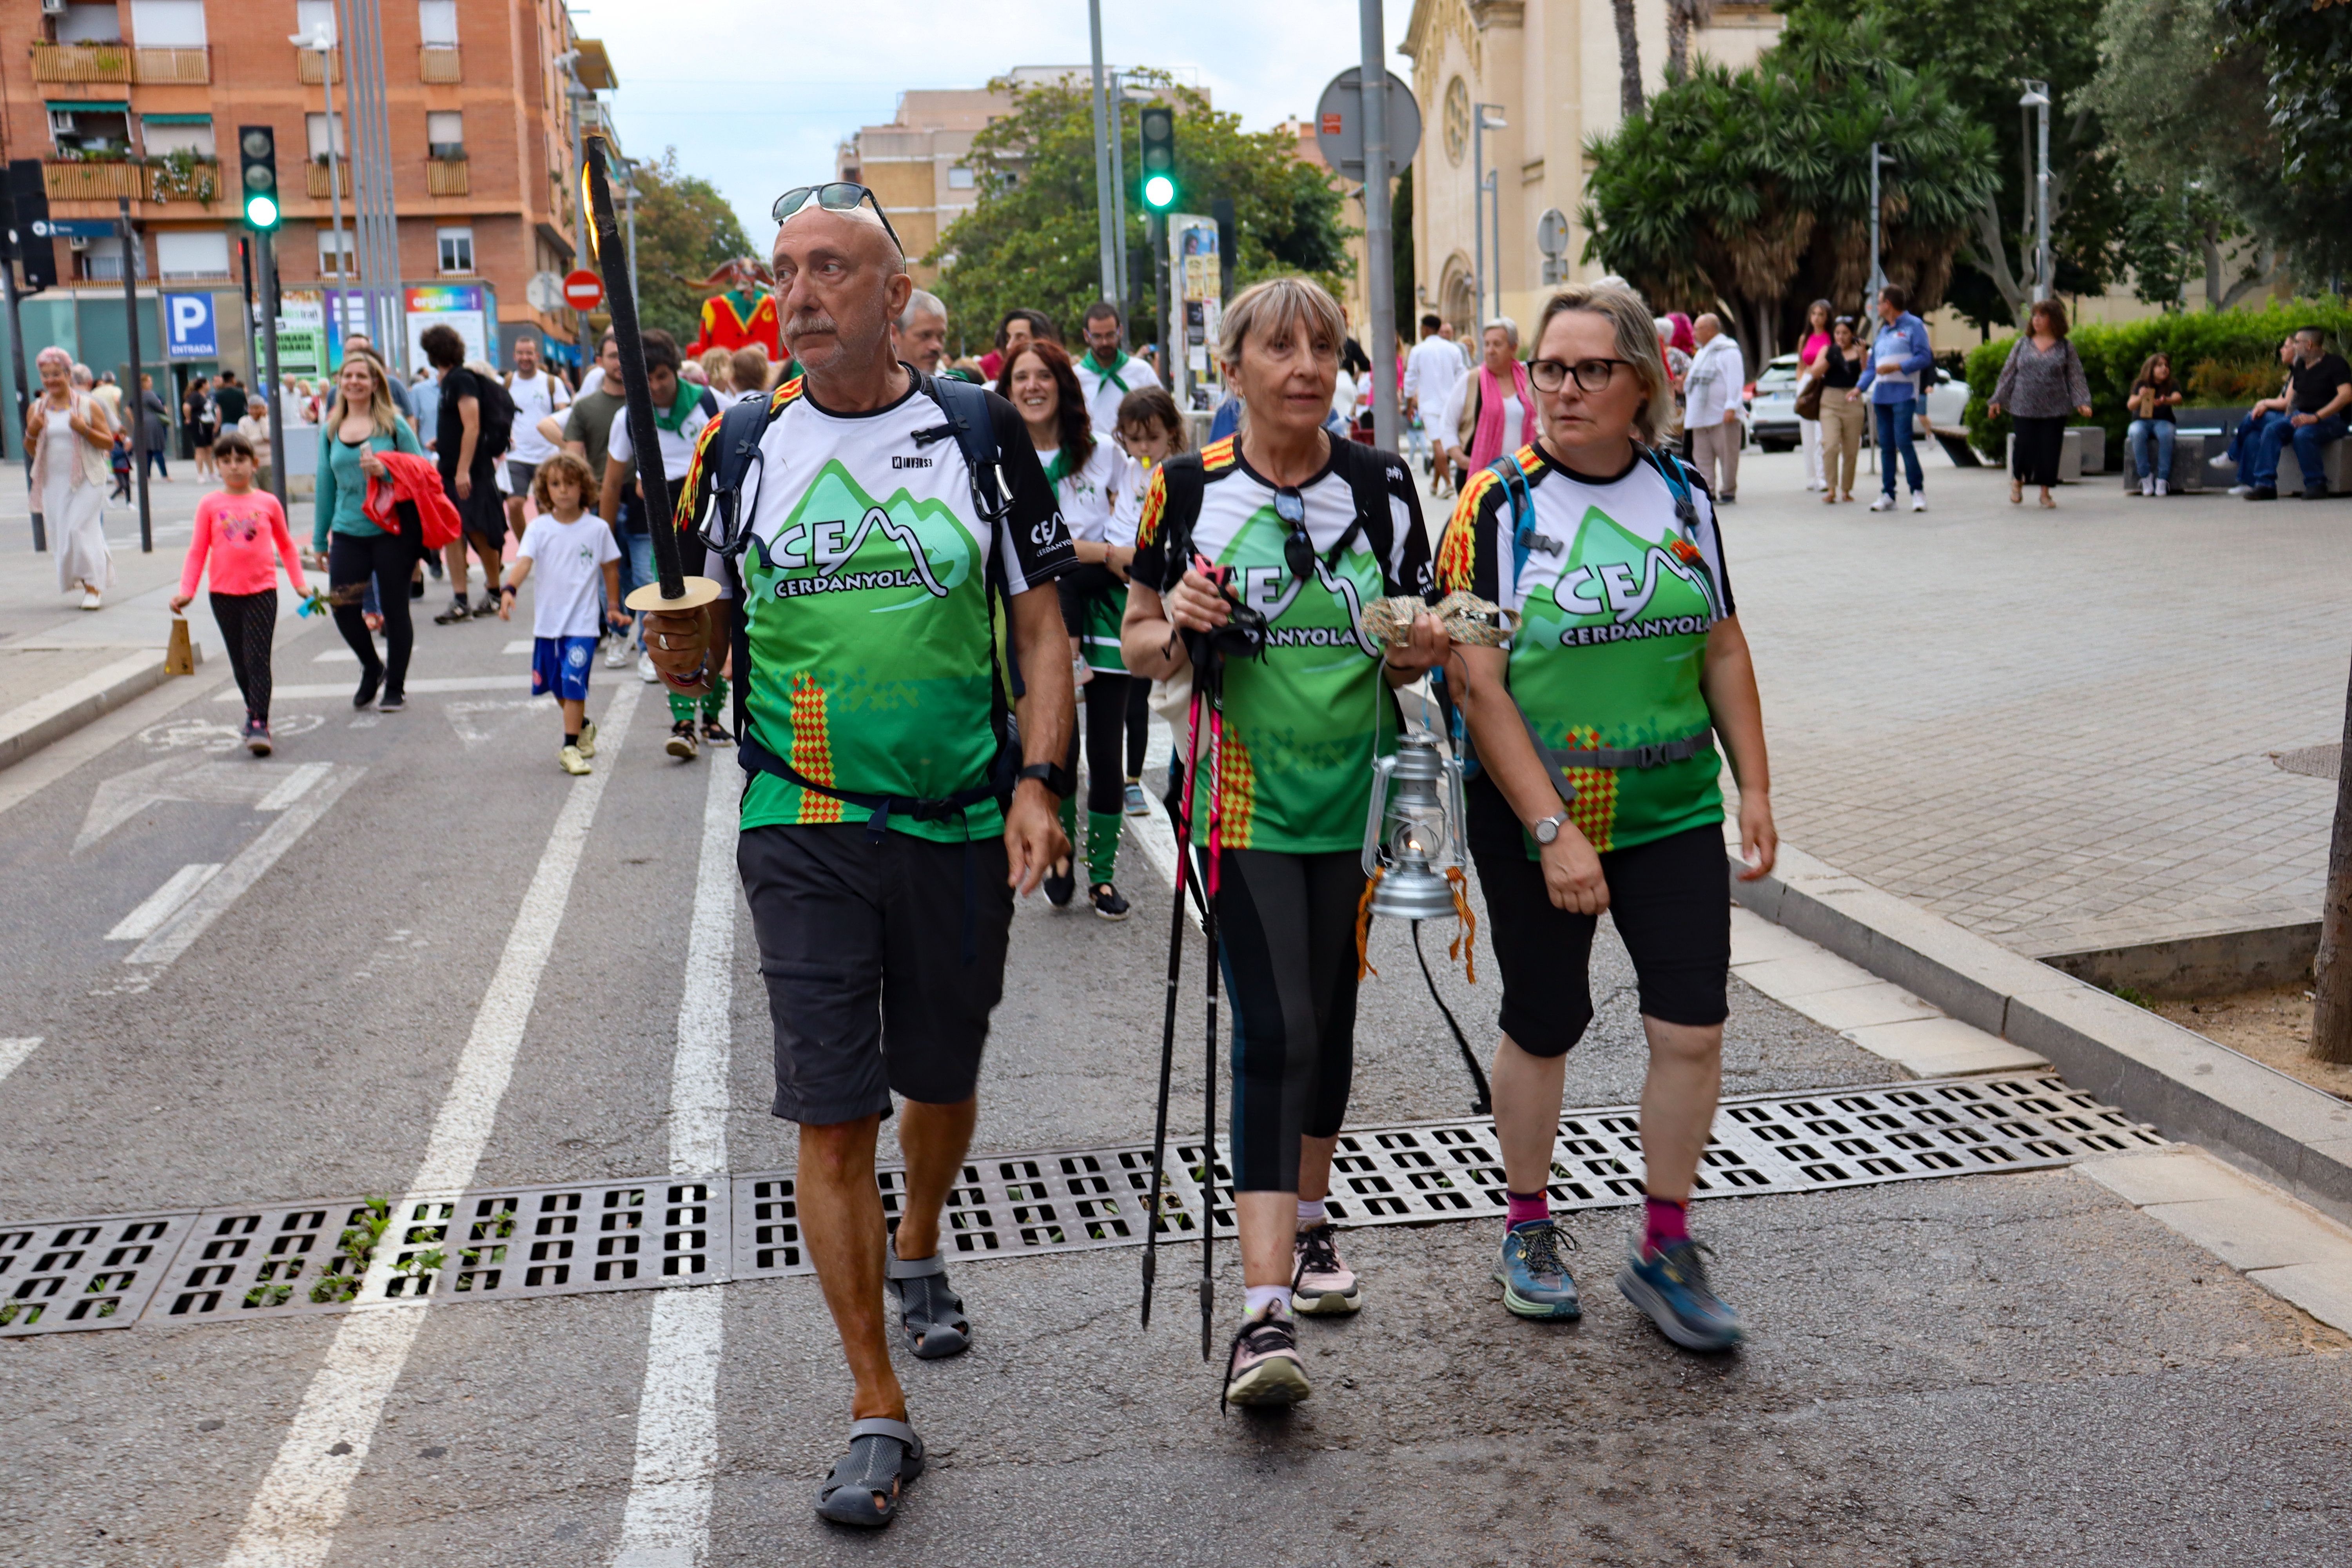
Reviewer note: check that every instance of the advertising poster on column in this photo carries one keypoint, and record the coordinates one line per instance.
(301, 333)
(465, 306)
(1197, 284)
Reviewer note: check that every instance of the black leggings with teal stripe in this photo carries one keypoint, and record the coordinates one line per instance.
(1287, 936)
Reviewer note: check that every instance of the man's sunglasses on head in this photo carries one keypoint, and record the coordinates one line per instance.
(840, 196)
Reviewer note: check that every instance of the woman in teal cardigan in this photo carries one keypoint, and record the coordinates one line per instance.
(362, 423)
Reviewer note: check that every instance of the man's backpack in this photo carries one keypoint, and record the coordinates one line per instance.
(495, 409)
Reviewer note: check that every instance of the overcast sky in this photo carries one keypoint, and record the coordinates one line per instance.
(756, 93)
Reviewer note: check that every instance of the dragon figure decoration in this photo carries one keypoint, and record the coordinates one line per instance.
(739, 311)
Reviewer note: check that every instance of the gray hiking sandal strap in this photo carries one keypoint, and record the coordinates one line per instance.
(866, 1484)
(928, 1312)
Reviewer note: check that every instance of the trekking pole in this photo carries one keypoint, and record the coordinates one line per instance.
(1184, 883)
(1206, 678)
(1484, 1105)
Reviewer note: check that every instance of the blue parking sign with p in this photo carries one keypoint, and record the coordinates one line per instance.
(188, 327)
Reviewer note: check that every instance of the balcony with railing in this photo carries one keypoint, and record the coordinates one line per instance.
(315, 174)
(312, 68)
(192, 66)
(93, 180)
(447, 177)
(438, 64)
(81, 63)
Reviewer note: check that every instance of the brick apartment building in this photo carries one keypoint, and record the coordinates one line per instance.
(144, 98)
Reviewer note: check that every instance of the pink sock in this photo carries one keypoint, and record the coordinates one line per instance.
(1525, 1206)
(1663, 1222)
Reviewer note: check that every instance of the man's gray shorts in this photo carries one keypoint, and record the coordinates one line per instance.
(863, 946)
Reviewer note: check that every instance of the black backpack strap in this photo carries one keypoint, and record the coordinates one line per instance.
(965, 407)
(1371, 477)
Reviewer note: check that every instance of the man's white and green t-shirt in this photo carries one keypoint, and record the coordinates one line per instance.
(864, 596)
(1303, 725)
(1616, 603)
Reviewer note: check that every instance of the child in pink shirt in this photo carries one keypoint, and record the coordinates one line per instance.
(241, 535)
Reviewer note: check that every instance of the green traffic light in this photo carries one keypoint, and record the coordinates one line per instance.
(1160, 191)
(261, 212)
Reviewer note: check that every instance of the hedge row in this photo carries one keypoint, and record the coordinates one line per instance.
(2224, 358)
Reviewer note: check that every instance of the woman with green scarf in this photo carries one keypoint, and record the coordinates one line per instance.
(1088, 475)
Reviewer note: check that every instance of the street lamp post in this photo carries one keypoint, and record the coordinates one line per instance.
(1489, 188)
(1380, 259)
(1107, 240)
(321, 42)
(2037, 97)
(1877, 269)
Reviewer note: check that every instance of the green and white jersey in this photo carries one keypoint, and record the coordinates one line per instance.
(1091, 495)
(1616, 606)
(1303, 725)
(864, 597)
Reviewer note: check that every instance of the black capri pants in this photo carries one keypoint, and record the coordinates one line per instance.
(1287, 937)
(1671, 901)
(385, 560)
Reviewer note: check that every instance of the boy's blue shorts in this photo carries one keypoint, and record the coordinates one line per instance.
(559, 666)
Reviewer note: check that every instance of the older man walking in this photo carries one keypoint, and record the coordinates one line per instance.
(882, 837)
(1711, 411)
(1899, 356)
(920, 336)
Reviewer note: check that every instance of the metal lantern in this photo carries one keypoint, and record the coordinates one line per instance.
(1412, 837)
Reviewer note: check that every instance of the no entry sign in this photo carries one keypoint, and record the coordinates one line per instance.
(582, 290)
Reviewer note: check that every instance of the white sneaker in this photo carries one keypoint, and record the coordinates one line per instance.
(89, 600)
(2147, 487)
(616, 653)
(2159, 487)
(1884, 503)
(1919, 501)
(2242, 489)
(646, 671)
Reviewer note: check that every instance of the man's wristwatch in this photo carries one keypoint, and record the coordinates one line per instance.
(1548, 829)
(1052, 775)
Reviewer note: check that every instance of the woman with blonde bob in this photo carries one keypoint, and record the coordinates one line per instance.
(361, 422)
(1597, 735)
(1303, 529)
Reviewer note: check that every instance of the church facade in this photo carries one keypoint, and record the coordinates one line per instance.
(1547, 74)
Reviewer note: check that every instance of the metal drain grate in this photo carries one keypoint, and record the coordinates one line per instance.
(501, 1244)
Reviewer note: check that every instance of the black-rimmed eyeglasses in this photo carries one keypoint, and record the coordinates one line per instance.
(1591, 375)
(839, 196)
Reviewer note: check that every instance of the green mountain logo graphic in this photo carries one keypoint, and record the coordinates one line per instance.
(1614, 576)
(902, 551)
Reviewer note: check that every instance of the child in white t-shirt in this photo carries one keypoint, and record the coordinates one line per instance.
(571, 553)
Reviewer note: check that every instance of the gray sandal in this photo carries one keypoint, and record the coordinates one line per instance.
(865, 1484)
(930, 1314)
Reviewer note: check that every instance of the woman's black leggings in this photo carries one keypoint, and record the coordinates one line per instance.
(1138, 723)
(1287, 935)
(248, 624)
(385, 558)
(2039, 443)
(1105, 731)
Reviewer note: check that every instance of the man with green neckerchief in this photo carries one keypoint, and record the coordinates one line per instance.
(680, 411)
(1107, 373)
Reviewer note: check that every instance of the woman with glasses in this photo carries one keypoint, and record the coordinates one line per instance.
(1626, 667)
(1288, 531)
(1086, 475)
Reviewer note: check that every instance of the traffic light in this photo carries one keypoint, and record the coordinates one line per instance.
(1158, 126)
(257, 147)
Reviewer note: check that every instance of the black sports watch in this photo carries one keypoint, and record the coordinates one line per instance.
(1052, 775)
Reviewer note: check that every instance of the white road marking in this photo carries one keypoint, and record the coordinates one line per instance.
(342, 655)
(520, 645)
(291, 1522)
(667, 1524)
(14, 1049)
(479, 720)
(424, 688)
(1151, 832)
(162, 903)
(179, 933)
(296, 785)
(119, 799)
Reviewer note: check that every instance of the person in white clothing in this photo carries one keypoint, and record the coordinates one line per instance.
(1711, 411)
(1431, 374)
(69, 438)
(579, 570)
(1107, 374)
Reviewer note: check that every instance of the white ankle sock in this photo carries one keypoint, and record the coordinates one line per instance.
(1262, 1296)
(1312, 1215)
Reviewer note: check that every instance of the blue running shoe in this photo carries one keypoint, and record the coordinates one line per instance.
(1534, 1279)
(1672, 1287)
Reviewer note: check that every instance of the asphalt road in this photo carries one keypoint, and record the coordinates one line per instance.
(1983, 1369)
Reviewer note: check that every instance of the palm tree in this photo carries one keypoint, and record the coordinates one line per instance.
(1682, 15)
(1629, 59)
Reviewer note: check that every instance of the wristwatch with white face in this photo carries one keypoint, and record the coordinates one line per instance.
(1545, 831)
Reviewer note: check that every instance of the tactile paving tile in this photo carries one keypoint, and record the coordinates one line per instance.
(67, 1274)
(503, 1244)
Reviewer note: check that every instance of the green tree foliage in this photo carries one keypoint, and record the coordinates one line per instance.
(1030, 241)
(1752, 187)
(2220, 356)
(1984, 51)
(2307, 48)
(685, 230)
